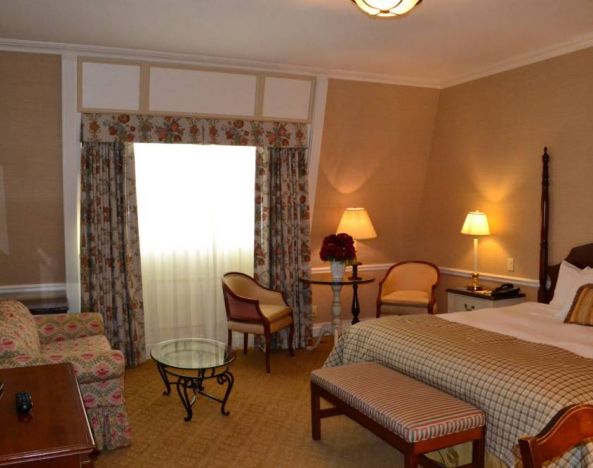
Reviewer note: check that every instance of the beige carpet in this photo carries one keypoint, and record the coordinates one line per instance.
(269, 424)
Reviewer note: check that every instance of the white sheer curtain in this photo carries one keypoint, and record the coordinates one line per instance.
(196, 221)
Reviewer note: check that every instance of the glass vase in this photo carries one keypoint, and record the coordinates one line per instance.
(337, 269)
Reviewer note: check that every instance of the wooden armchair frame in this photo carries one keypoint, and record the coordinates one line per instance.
(432, 300)
(572, 425)
(247, 310)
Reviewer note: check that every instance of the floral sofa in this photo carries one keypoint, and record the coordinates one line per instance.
(27, 340)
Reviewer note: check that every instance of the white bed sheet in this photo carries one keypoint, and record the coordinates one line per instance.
(530, 321)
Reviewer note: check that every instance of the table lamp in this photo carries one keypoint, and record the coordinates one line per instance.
(357, 223)
(476, 225)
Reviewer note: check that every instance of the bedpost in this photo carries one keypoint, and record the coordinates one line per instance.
(545, 218)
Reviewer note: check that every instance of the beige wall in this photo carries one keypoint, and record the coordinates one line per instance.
(486, 155)
(374, 153)
(31, 219)
(417, 159)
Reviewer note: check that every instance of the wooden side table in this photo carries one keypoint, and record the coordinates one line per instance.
(334, 328)
(459, 300)
(56, 433)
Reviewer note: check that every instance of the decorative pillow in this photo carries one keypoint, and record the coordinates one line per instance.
(581, 311)
(567, 276)
(585, 277)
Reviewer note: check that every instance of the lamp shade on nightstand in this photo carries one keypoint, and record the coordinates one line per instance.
(476, 224)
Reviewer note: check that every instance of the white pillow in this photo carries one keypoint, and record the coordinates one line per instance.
(567, 276)
(585, 277)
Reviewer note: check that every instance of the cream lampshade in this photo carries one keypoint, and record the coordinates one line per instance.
(476, 225)
(357, 223)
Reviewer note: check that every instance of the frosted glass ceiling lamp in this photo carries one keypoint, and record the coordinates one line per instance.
(357, 223)
(476, 225)
(386, 8)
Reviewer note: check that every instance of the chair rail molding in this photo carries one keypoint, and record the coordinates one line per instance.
(15, 289)
(529, 282)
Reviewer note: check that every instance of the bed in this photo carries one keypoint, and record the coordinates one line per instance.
(520, 364)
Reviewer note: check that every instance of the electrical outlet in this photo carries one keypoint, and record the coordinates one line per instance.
(313, 311)
(510, 264)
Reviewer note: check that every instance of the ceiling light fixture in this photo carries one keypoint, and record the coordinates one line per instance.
(386, 8)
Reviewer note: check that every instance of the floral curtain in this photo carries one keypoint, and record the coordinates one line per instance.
(109, 245)
(168, 129)
(282, 251)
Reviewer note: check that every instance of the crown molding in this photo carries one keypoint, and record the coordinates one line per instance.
(522, 60)
(382, 79)
(20, 45)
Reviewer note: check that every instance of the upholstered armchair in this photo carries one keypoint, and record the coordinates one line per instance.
(253, 308)
(408, 285)
(27, 340)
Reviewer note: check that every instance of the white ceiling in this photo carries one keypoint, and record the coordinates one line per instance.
(441, 42)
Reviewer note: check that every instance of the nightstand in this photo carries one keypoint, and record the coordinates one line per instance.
(459, 300)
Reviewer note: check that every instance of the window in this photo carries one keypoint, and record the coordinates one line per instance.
(196, 221)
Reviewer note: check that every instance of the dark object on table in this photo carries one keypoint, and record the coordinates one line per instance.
(24, 403)
(44, 306)
(506, 290)
(355, 271)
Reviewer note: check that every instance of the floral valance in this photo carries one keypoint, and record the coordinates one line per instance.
(170, 129)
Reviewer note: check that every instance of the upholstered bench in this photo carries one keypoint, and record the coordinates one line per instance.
(410, 415)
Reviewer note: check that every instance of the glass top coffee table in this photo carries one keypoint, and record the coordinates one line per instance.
(187, 362)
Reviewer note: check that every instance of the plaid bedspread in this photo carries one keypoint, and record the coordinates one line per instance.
(519, 385)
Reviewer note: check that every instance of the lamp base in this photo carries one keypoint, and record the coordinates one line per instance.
(475, 286)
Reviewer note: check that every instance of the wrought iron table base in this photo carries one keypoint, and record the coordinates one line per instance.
(188, 387)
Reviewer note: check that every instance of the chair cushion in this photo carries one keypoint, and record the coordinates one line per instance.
(409, 408)
(258, 329)
(274, 312)
(406, 297)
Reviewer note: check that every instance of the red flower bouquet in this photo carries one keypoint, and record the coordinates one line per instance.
(338, 247)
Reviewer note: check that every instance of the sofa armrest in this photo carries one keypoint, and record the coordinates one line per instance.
(23, 360)
(89, 366)
(59, 327)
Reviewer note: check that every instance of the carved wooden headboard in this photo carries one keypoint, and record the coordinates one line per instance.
(581, 256)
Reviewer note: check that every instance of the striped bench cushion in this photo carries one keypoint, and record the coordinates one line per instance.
(409, 408)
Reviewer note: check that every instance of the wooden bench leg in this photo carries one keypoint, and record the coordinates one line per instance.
(410, 460)
(315, 416)
(478, 452)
